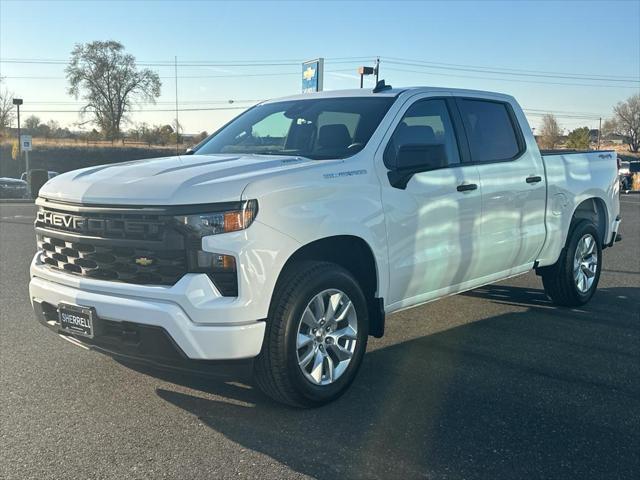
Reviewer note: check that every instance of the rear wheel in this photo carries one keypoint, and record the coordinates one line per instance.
(316, 335)
(573, 279)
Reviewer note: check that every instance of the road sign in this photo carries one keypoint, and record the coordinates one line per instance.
(25, 142)
(312, 75)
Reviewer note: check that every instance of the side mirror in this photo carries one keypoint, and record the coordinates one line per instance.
(412, 159)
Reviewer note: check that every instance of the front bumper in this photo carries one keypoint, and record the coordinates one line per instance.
(135, 343)
(196, 341)
(204, 324)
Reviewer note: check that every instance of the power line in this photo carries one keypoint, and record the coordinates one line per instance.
(503, 72)
(631, 77)
(234, 75)
(167, 102)
(146, 111)
(540, 82)
(390, 60)
(239, 63)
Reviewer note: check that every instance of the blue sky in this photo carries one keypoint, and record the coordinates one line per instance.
(574, 38)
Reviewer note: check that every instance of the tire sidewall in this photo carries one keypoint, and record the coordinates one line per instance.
(340, 279)
(580, 229)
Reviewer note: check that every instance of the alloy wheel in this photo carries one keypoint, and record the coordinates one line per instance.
(326, 337)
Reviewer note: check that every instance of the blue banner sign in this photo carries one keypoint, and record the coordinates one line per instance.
(312, 75)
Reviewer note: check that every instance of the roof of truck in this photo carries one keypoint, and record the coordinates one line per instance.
(389, 92)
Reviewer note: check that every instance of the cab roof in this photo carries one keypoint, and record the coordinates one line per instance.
(389, 92)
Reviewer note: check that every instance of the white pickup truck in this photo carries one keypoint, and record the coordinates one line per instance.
(287, 236)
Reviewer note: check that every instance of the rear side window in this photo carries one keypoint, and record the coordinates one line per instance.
(490, 130)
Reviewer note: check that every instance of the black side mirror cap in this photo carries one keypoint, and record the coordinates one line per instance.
(412, 159)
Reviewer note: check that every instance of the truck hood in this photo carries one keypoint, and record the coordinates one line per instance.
(180, 180)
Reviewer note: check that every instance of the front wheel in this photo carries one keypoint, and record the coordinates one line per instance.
(624, 185)
(316, 335)
(573, 279)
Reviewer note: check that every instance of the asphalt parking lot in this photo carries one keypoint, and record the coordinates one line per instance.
(495, 383)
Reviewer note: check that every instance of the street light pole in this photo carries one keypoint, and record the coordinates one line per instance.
(365, 71)
(17, 102)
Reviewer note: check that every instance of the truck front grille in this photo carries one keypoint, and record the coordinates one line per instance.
(124, 264)
(132, 245)
(131, 226)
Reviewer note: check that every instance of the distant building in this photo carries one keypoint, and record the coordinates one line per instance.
(616, 139)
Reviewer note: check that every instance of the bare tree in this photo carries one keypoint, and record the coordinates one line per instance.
(626, 122)
(109, 81)
(31, 123)
(6, 109)
(550, 132)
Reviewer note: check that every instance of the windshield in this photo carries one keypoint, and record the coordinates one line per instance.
(315, 128)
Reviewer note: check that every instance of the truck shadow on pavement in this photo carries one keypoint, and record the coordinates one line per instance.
(544, 393)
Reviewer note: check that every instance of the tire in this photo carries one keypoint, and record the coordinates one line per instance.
(277, 369)
(563, 282)
(625, 185)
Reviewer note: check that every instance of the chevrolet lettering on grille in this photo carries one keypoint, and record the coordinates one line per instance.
(60, 220)
(95, 226)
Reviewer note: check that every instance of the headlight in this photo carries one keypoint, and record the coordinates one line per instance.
(224, 221)
(220, 268)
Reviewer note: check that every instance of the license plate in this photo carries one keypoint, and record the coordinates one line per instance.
(76, 319)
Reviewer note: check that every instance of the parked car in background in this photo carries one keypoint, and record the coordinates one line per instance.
(626, 171)
(12, 188)
(51, 175)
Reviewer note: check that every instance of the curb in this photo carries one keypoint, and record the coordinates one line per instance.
(16, 200)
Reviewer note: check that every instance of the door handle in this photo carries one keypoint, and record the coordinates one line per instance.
(534, 179)
(466, 187)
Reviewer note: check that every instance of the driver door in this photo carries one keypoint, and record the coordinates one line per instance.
(434, 222)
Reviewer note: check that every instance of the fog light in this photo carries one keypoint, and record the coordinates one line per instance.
(220, 268)
(216, 262)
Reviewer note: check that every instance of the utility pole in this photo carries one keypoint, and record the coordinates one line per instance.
(377, 69)
(599, 132)
(177, 122)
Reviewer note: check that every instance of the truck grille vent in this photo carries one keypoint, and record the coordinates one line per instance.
(125, 264)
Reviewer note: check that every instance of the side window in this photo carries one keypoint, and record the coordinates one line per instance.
(490, 131)
(426, 122)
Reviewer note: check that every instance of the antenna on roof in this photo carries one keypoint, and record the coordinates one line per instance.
(381, 86)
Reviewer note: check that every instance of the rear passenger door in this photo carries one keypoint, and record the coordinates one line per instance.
(512, 184)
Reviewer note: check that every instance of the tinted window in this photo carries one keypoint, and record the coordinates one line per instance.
(313, 128)
(426, 122)
(489, 130)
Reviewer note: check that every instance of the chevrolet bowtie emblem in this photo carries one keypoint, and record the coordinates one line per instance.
(309, 73)
(144, 261)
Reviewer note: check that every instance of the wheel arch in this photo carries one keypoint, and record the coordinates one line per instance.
(355, 255)
(593, 209)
